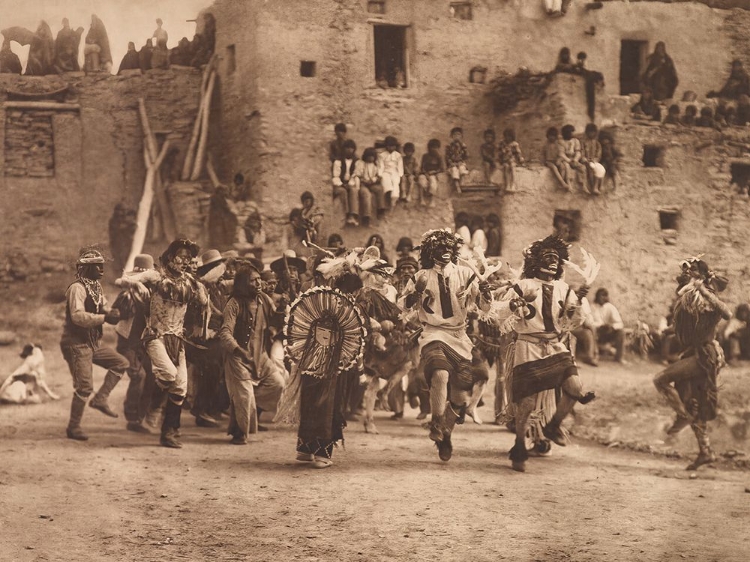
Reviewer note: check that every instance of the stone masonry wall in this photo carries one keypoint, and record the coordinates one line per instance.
(98, 159)
(29, 144)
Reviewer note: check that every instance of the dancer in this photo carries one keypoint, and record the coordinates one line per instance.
(690, 384)
(86, 312)
(443, 292)
(388, 354)
(171, 290)
(542, 309)
(325, 336)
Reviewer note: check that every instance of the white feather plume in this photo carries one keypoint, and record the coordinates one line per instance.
(590, 268)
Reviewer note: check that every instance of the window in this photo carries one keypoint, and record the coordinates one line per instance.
(231, 63)
(653, 155)
(307, 68)
(461, 10)
(567, 224)
(740, 175)
(478, 75)
(668, 218)
(376, 6)
(632, 64)
(391, 59)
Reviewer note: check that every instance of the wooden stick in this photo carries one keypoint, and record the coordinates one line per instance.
(42, 105)
(162, 205)
(144, 208)
(212, 172)
(150, 143)
(200, 155)
(157, 222)
(187, 165)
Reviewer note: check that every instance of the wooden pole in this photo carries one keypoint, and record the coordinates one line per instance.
(144, 208)
(41, 105)
(212, 172)
(162, 204)
(187, 165)
(153, 150)
(156, 229)
(200, 155)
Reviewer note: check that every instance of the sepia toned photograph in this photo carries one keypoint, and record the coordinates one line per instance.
(375, 280)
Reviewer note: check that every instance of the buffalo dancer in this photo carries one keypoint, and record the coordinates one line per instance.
(690, 384)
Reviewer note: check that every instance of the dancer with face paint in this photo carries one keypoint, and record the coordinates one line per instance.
(542, 310)
(443, 292)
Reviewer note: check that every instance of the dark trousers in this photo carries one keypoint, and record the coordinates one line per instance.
(138, 395)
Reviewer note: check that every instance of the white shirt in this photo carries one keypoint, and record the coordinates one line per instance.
(391, 163)
(607, 315)
(479, 239)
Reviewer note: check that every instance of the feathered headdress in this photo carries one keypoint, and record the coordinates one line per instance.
(433, 241)
(532, 255)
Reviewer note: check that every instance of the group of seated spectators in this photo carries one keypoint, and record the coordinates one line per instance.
(586, 162)
(659, 82)
(187, 53)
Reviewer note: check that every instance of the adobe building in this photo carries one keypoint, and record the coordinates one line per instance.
(290, 70)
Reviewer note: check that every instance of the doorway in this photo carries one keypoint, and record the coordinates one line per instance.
(633, 56)
(391, 62)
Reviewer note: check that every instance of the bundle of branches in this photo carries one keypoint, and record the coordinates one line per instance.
(639, 341)
(507, 90)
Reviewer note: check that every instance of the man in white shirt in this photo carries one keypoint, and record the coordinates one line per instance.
(608, 323)
(586, 348)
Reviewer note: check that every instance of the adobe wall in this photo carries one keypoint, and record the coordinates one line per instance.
(276, 124)
(622, 229)
(98, 159)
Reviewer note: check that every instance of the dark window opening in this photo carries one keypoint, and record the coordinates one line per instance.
(740, 175)
(461, 10)
(376, 6)
(478, 75)
(668, 219)
(307, 68)
(653, 155)
(231, 63)
(391, 62)
(567, 224)
(632, 64)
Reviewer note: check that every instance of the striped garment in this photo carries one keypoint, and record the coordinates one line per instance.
(438, 356)
(542, 374)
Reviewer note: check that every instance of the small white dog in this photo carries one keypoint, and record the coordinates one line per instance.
(26, 384)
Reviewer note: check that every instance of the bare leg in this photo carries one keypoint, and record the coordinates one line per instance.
(510, 177)
(683, 369)
(556, 173)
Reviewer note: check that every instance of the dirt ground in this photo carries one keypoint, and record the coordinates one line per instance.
(388, 497)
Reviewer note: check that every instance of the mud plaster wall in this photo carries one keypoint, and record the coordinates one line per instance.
(277, 124)
(98, 158)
